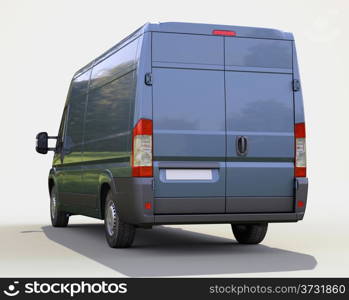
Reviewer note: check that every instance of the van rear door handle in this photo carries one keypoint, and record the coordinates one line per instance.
(241, 145)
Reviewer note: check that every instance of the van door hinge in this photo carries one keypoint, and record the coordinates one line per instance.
(148, 80)
(296, 85)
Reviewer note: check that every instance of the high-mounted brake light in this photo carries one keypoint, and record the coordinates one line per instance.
(142, 149)
(300, 151)
(224, 32)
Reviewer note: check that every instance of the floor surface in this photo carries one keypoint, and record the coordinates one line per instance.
(80, 250)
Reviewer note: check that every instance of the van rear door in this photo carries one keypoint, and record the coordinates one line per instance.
(260, 125)
(189, 123)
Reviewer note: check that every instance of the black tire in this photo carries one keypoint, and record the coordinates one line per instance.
(59, 218)
(249, 233)
(118, 233)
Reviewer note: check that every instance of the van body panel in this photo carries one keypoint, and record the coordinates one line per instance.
(214, 187)
(260, 179)
(188, 49)
(189, 125)
(107, 138)
(132, 194)
(188, 114)
(260, 204)
(259, 106)
(262, 53)
(69, 179)
(114, 66)
(108, 119)
(69, 160)
(202, 205)
(108, 122)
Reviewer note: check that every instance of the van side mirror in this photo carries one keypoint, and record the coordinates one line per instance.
(42, 143)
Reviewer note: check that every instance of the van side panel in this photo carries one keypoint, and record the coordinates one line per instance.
(133, 192)
(115, 65)
(108, 120)
(107, 127)
(143, 107)
(69, 171)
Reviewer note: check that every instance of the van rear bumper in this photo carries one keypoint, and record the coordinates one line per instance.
(132, 194)
(227, 218)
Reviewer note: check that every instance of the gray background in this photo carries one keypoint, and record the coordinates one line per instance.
(44, 42)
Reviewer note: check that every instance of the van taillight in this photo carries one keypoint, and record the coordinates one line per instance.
(300, 153)
(224, 32)
(142, 149)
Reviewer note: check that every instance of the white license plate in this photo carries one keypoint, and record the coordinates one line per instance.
(188, 174)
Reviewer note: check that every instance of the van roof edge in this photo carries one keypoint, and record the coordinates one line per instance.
(206, 29)
(191, 28)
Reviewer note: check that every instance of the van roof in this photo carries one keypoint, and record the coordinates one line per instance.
(192, 28)
(197, 28)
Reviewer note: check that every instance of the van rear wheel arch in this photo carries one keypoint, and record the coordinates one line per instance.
(106, 183)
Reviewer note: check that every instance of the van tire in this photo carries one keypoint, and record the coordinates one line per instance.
(59, 218)
(249, 233)
(118, 233)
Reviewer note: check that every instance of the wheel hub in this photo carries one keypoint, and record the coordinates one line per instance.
(111, 218)
(53, 205)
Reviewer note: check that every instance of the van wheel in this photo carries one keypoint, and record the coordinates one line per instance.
(59, 218)
(250, 233)
(118, 233)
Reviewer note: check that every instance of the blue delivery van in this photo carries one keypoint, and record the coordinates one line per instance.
(183, 123)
